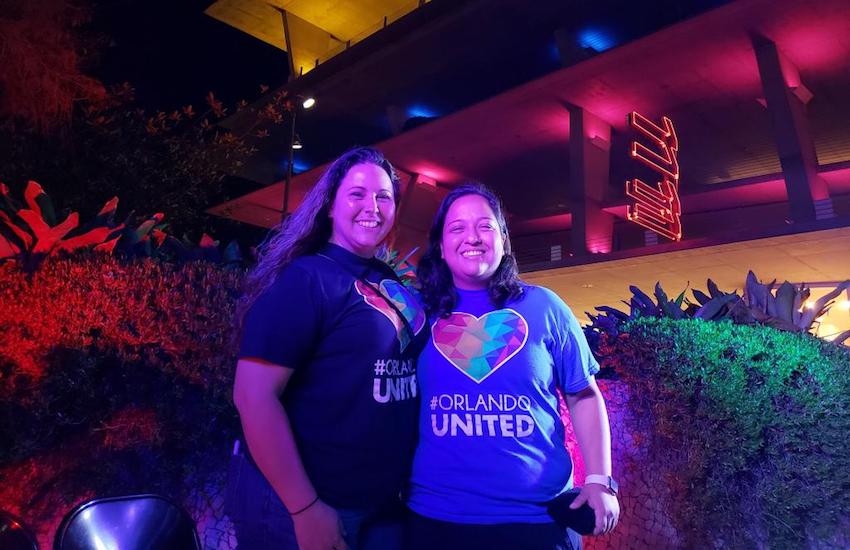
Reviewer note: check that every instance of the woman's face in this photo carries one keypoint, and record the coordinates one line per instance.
(363, 210)
(472, 244)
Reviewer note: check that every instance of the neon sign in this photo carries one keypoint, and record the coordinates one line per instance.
(657, 207)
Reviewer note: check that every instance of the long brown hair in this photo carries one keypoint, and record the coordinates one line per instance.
(309, 226)
(438, 289)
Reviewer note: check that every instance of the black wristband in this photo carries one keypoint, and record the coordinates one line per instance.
(314, 501)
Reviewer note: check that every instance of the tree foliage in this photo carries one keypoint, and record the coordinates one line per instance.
(42, 62)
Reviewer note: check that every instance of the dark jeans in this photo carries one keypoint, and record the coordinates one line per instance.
(428, 534)
(261, 520)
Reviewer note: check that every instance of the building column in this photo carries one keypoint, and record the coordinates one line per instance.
(786, 97)
(420, 197)
(590, 151)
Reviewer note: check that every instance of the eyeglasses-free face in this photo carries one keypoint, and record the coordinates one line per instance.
(363, 210)
(473, 244)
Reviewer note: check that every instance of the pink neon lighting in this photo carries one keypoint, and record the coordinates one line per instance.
(664, 139)
(657, 208)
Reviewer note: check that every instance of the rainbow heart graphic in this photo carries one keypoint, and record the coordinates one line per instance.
(477, 346)
(406, 303)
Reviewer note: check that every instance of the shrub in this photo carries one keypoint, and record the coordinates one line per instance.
(778, 307)
(115, 377)
(746, 424)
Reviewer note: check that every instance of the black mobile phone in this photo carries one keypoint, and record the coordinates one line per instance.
(582, 520)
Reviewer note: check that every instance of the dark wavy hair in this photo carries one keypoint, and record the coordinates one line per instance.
(308, 228)
(438, 289)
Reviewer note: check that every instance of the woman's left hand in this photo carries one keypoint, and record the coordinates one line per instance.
(605, 506)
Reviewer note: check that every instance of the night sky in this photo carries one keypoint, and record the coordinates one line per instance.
(173, 54)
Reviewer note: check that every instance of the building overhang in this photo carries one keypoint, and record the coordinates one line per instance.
(702, 72)
(314, 31)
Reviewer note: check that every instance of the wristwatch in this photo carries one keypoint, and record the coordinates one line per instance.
(606, 481)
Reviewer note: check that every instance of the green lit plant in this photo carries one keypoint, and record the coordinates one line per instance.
(778, 307)
(739, 422)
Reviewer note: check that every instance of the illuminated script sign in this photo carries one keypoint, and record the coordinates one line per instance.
(657, 207)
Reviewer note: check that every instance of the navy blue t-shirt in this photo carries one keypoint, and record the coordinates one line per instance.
(353, 398)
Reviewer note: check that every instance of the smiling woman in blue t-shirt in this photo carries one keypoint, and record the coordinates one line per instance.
(491, 453)
(326, 378)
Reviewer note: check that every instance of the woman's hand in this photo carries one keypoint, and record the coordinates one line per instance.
(319, 528)
(605, 507)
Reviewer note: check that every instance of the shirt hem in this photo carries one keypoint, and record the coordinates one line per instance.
(482, 520)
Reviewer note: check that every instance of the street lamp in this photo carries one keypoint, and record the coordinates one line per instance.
(306, 102)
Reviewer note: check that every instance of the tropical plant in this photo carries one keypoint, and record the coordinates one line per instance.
(178, 162)
(779, 307)
(733, 421)
(783, 309)
(402, 265)
(34, 234)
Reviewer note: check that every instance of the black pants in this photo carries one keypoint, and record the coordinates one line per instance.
(430, 534)
(261, 521)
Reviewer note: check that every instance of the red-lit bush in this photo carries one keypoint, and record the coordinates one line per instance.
(115, 377)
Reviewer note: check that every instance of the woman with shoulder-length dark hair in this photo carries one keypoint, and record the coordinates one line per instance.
(491, 454)
(325, 382)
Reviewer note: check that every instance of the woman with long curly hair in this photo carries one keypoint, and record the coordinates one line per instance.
(326, 381)
(491, 455)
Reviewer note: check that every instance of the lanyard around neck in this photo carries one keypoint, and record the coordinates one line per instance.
(376, 290)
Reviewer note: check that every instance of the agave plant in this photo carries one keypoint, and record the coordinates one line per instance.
(207, 249)
(718, 305)
(781, 309)
(784, 309)
(611, 320)
(32, 231)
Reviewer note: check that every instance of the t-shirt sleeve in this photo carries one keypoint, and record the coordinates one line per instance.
(574, 362)
(283, 325)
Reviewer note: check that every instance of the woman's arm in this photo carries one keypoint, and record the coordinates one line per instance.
(590, 422)
(256, 393)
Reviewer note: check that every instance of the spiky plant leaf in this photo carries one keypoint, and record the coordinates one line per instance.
(821, 306)
(39, 202)
(660, 295)
(644, 302)
(96, 236)
(757, 294)
(14, 233)
(784, 302)
(613, 312)
(46, 236)
(680, 298)
(713, 290)
(714, 308)
(700, 296)
(800, 299)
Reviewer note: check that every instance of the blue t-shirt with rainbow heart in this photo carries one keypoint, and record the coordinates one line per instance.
(491, 442)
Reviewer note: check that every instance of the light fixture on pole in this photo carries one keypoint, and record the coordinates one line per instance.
(304, 102)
